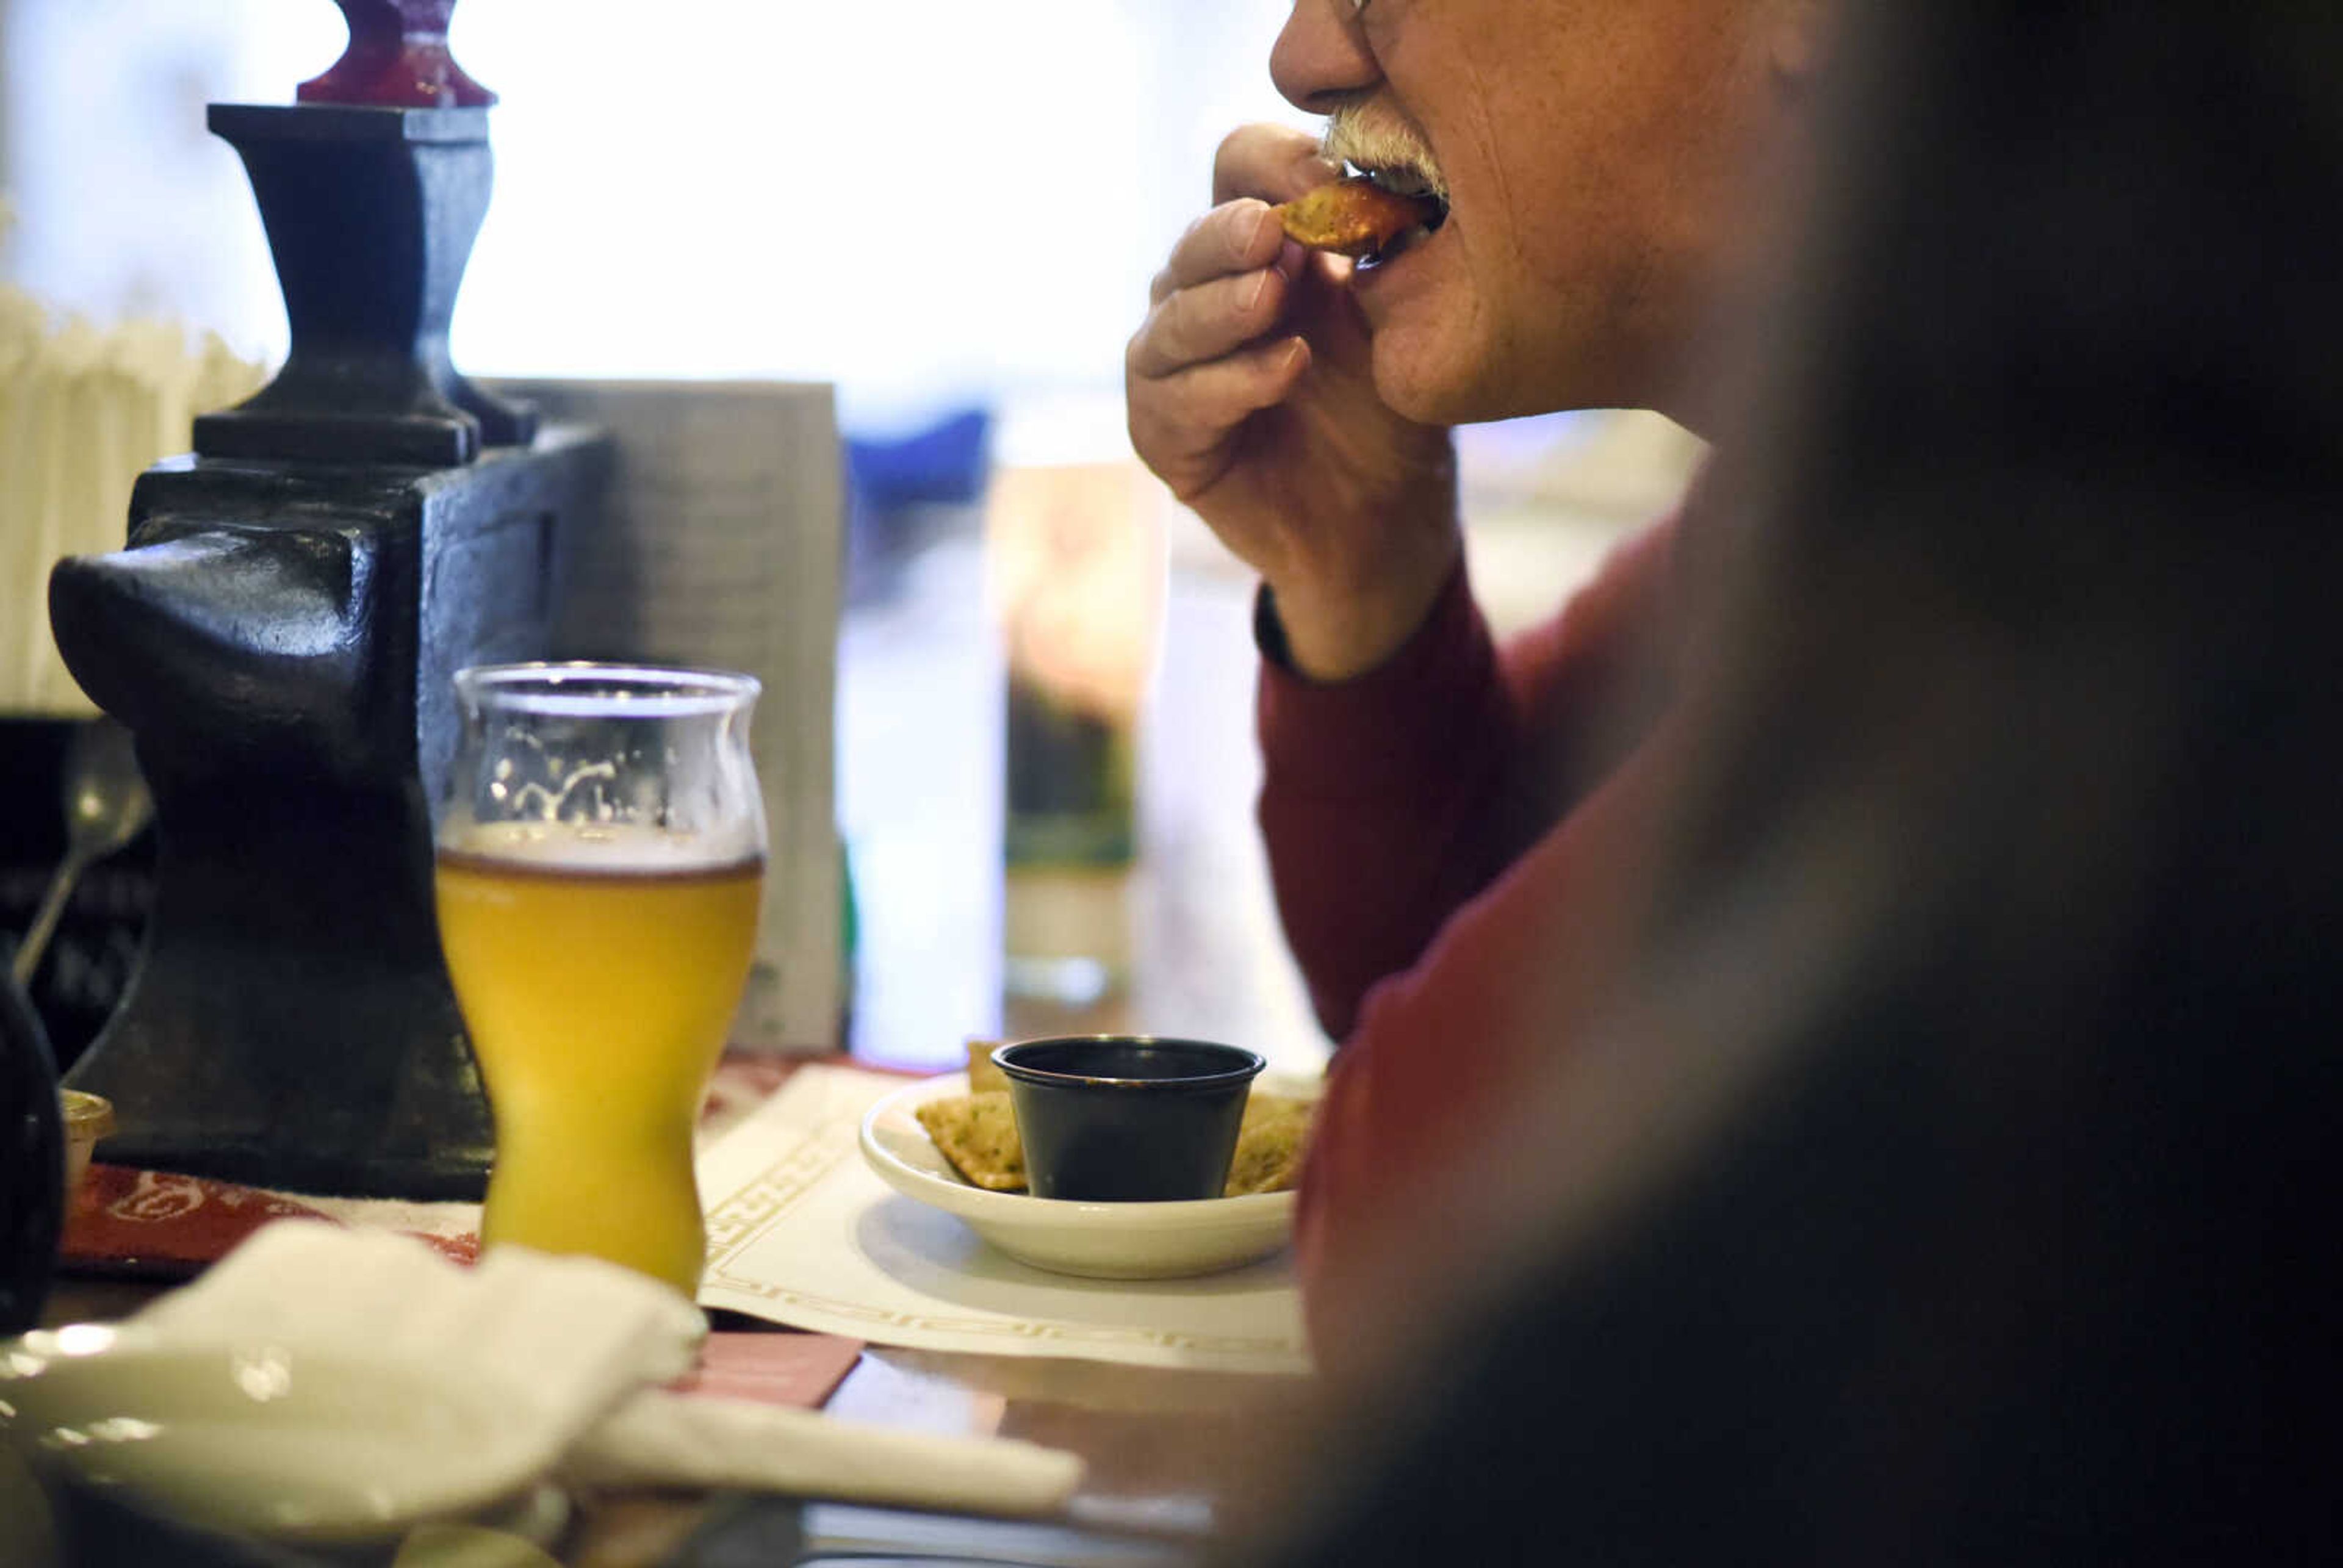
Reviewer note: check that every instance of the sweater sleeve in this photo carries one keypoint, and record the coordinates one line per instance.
(1442, 1048)
(1391, 799)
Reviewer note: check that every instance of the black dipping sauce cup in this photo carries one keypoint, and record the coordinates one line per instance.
(1127, 1118)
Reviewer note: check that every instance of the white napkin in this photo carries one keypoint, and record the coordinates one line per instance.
(664, 1439)
(563, 1340)
(575, 1348)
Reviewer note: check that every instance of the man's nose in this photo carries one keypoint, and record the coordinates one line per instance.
(1321, 57)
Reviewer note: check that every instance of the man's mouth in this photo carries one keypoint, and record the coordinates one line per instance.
(1408, 182)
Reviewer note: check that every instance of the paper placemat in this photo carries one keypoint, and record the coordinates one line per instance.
(800, 1231)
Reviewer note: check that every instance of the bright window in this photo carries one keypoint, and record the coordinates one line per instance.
(923, 201)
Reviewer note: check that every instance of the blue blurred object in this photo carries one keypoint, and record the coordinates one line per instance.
(903, 488)
(939, 463)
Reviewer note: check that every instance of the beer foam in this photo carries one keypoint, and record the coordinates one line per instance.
(633, 848)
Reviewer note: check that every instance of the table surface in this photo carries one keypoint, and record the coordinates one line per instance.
(920, 675)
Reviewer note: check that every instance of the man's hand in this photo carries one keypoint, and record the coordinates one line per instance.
(1251, 395)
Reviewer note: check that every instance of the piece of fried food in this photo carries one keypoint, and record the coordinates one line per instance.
(978, 1133)
(1270, 1145)
(983, 1077)
(1355, 218)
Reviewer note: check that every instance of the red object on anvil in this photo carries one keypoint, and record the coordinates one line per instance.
(398, 58)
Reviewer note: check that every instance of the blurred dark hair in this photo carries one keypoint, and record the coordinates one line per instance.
(2005, 889)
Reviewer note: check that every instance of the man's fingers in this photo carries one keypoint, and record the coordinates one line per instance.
(1274, 163)
(1256, 165)
(1237, 236)
(1180, 419)
(1206, 322)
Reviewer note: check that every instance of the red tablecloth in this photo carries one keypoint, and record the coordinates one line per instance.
(153, 1224)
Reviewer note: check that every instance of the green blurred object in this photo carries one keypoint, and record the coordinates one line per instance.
(1068, 845)
(1071, 785)
(849, 942)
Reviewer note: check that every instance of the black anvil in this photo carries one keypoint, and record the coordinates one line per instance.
(280, 635)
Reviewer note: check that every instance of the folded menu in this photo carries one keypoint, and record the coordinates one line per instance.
(721, 546)
(801, 1231)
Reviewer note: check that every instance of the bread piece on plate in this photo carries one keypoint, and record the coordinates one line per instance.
(1270, 1145)
(978, 1133)
(982, 1076)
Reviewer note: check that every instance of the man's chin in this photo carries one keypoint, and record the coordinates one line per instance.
(1444, 382)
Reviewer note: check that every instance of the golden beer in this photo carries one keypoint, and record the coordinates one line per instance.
(598, 971)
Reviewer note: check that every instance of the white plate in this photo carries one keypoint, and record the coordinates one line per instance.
(1096, 1240)
(256, 1438)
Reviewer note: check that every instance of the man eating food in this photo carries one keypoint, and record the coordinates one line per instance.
(1568, 194)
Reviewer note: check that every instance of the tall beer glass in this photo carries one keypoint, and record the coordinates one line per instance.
(601, 851)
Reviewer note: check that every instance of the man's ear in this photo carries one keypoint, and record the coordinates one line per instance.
(1801, 40)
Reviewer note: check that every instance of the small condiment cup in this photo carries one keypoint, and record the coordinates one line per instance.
(87, 1118)
(1125, 1118)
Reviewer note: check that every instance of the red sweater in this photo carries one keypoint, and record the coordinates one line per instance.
(1436, 832)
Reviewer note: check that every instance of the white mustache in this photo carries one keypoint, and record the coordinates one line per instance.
(1373, 139)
